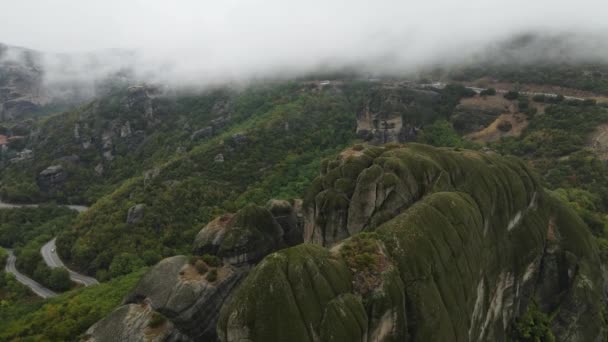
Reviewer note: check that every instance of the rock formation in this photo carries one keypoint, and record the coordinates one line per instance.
(403, 243)
(392, 114)
(428, 245)
(241, 239)
(52, 177)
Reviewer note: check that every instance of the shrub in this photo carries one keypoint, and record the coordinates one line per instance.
(211, 276)
(505, 126)
(488, 92)
(539, 98)
(156, 320)
(59, 279)
(201, 267)
(523, 104)
(589, 102)
(511, 95)
(531, 111)
(212, 260)
(533, 326)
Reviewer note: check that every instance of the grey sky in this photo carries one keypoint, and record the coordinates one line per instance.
(191, 39)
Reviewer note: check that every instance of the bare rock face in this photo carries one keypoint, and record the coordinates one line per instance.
(52, 177)
(186, 294)
(241, 239)
(134, 323)
(289, 216)
(203, 133)
(441, 245)
(386, 117)
(20, 83)
(135, 213)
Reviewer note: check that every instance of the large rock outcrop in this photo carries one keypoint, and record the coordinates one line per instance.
(187, 293)
(134, 323)
(52, 177)
(21, 83)
(243, 238)
(393, 113)
(404, 243)
(428, 245)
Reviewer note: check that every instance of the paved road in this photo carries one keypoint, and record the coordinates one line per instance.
(3, 205)
(31, 283)
(49, 254)
(48, 251)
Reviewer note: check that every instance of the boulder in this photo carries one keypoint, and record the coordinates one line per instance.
(134, 323)
(52, 177)
(188, 299)
(220, 122)
(239, 139)
(290, 217)
(203, 133)
(135, 213)
(241, 239)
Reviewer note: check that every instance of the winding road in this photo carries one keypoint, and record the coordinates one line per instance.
(23, 279)
(50, 257)
(49, 254)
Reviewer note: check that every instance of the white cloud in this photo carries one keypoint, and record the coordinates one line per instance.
(202, 41)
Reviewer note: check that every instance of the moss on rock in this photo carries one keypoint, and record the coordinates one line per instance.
(463, 242)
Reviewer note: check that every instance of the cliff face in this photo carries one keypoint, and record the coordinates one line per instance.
(20, 82)
(428, 245)
(393, 113)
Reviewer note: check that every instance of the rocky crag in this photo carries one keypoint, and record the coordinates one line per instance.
(403, 243)
(424, 244)
(179, 299)
(391, 112)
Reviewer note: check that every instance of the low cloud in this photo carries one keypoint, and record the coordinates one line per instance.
(192, 42)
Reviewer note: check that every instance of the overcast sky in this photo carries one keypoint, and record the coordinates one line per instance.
(228, 38)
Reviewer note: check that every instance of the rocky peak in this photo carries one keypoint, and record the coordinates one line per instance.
(380, 120)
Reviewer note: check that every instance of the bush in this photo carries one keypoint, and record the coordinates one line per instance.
(156, 320)
(511, 95)
(533, 326)
(488, 92)
(212, 260)
(589, 102)
(201, 267)
(211, 276)
(505, 126)
(125, 263)
(59, 279)
(531, 111)
(538, 98)
(523, 104)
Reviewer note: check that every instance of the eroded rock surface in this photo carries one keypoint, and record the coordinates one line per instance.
(191, 300)
(241, 239)
(134, 323)
(428, 245)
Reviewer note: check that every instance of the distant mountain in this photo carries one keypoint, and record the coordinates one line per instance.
(34, 83)
(20, 82)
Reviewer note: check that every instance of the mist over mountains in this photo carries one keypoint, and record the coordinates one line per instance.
(68, 52)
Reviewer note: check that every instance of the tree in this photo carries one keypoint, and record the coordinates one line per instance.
(59, 279)
(488, 92)
(125, 263)
(511, 95)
